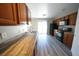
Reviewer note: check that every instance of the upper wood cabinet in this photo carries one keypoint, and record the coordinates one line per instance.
(8, 13)
(57, 21)
(22, 12)
(66, 17)
(29, 16)
(72, 19)
(13, 13)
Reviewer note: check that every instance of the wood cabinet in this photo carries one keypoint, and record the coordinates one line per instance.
(66, 17)
(13, 13)
(68, 39)
(72, 19)
(22, 12)
(29, 16)
(7, 13)
(58, 20)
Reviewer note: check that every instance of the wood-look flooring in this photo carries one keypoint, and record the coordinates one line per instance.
(50, 46)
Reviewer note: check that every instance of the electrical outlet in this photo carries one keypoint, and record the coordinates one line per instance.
(3, 35)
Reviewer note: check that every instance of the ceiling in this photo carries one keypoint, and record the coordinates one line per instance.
(51, 10)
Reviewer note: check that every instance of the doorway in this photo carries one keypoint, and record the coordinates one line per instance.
(42, 27)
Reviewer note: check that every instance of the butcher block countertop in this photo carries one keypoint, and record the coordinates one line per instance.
(23, 47)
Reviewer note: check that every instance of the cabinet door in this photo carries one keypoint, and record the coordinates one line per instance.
(68, 38)
(58, 21)
(66, 17)
(7, 13)
(65, 38)
(22, 12)
(75, 18)
(29, 17)
(72, 19)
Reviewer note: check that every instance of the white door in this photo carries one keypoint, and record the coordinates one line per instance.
(42, 27)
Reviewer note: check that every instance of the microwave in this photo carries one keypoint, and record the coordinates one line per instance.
(62, 23)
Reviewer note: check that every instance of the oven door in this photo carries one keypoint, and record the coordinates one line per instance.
(59, 36)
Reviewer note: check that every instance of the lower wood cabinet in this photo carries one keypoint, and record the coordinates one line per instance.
(68, 39)
(13, 13)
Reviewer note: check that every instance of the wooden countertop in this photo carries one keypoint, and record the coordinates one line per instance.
(23, 47)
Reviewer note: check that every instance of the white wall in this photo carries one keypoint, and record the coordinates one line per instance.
(35, 25)
(12, 31)
(75, 46)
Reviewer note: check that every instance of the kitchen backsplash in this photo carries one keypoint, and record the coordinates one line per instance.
(7, 32)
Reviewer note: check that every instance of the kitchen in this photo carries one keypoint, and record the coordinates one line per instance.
(19, 29)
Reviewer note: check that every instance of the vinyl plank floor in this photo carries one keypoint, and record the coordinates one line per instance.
(50, 46)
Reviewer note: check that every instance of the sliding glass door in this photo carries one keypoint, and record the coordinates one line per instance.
(42, 27)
